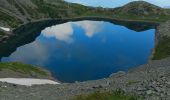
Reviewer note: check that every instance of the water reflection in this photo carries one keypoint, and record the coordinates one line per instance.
(64, 32)
(85, 50)
(61, 32)
(29, 32)
(90, 27)
(25, 54)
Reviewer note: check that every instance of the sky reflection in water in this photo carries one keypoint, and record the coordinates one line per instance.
(86, 50)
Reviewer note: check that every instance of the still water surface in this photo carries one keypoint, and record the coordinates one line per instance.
(86, 50)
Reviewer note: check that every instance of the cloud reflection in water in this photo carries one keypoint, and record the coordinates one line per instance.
(64, 32)
(85, 50)
(22, 54)
(61, 32)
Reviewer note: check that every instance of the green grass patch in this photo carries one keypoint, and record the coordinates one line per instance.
(22, 68)
(115, 95)
(162, 49)
(60, 9)
(151, 18)
(131, 82)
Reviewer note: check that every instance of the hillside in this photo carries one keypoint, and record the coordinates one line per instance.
(141, 8)
(19, 70)
(16, 12)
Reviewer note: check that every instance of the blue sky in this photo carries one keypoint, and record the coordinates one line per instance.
(117, 3)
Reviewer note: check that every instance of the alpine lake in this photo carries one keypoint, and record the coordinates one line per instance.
(81, 50)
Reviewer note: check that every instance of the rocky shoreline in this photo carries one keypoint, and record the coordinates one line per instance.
(150, 81)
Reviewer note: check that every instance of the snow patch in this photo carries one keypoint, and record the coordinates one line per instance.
(27, 81)
(5, 29)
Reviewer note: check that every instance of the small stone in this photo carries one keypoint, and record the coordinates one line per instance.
(162, 95)
(168, 93)
(154, 82)
(158, 89)
(140, 89)
(158, 83)
(149, 92)
(168, 83)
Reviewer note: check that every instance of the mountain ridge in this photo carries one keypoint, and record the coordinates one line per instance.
(16, 12)
(141, 8)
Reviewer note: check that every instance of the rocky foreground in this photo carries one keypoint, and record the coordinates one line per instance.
(151, 82)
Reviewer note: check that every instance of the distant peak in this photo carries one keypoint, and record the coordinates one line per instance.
(144, 3)
(142, 8)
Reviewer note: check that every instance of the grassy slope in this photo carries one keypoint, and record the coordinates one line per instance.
(22, 68)
(9, 20)
(61, 9)
(75, 10)
(116, 95)
(162, 49)
(141, 10)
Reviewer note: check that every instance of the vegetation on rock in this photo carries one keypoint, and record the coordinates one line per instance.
(162, 49)
(22, 68)
(114, 95)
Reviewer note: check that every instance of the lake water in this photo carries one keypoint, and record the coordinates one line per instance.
(86, 50)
